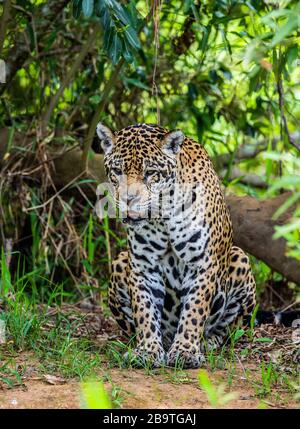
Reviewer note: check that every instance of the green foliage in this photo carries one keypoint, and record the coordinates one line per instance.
(119, 22)
(225, 72)
(216, 395)
(289, 182)
(94, 396)
(10, 376)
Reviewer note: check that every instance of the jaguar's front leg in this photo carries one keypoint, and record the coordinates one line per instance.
(199, 285)
(147, 295)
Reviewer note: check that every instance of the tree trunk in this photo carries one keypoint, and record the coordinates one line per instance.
(253, 229)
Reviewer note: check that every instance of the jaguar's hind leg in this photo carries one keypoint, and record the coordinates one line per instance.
(233, 303)
(118, 296)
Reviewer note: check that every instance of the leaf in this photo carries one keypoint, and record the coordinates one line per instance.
(292, 56)
(285, 30)
(187, 6)
(87, 7)
(121, 14)
(116, 48)
(137, 83)
(133, 14)
(77, 8)
(132, 37)
(126, 52)
(238, 334)
(276, 14)
(204, 41)
(5, 284)
(285, 229)
(285, 182)
(100, 7)
(95, 99)
(286, 205)
(94, 396)
(263, 340)
(54, 380)
(108, 38)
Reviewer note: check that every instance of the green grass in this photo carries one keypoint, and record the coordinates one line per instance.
(70, 357)
(122, 355)
(10, 373)
(216, 395)
(27, 328)
(55, 347)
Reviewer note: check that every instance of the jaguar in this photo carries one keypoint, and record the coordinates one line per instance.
(181, 286)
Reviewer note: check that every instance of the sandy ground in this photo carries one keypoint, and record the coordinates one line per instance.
(138, 390)
(161, 388)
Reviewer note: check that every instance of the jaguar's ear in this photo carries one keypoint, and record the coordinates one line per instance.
(106, 137)
(172, 142)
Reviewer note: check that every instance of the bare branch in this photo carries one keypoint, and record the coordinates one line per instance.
(67, 79)
(18, 53)
(4, 21)
(105, 98)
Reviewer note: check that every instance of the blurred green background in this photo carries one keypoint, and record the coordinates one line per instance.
(225, 72)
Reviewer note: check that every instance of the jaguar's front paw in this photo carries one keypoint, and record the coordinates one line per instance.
(185, 358)
(142, 358)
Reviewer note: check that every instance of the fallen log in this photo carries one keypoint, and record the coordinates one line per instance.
(253, 229)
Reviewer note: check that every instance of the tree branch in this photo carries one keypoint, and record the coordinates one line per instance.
(104, 100)
(67, 80)
(4, 21)
(19, 52)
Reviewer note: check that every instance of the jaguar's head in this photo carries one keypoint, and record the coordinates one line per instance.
(140, 162)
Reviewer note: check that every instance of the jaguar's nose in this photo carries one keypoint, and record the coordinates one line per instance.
(130, 198)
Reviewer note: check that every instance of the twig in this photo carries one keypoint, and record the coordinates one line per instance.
(18, 53)
(67, 79)
(91, 131)
(276, 293)
(4, 21)
(40, 165)
(157, 4)
(291, 140)
(290, 306)
(56, 194)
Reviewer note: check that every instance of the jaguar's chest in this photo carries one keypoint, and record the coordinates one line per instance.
(188, 240)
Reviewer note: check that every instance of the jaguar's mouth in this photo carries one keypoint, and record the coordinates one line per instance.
(135, 216)
(134, 221)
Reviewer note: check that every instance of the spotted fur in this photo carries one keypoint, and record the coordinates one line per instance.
(181, 285)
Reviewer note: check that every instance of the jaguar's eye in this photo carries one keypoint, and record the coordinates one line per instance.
(151, 172)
